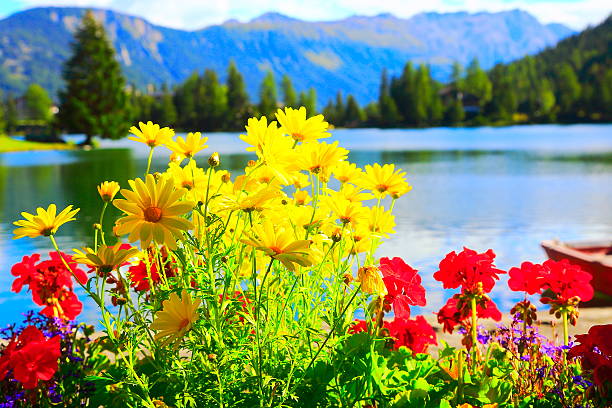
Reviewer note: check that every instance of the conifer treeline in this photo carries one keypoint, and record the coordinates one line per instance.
(203, 102)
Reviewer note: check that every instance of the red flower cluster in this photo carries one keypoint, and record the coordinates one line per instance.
(139, 276)
(31, 357)
(415, 334)
(456, 312)
(595, 353)
(476, 275)
(50, 283)
(468, 269)
(403, 285)
(564, 280)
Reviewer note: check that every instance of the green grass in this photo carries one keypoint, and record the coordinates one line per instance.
(8, 144)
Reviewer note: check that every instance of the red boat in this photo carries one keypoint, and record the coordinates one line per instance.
(593, 257)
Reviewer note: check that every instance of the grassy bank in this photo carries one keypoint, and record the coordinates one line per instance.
(8, 144)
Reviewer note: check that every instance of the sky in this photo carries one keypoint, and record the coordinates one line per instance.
(196, 14)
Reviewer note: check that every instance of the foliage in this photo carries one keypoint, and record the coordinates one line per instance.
(94, 101)
(243, 290)
(38, 103)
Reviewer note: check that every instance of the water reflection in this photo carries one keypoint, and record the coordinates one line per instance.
(509, 197)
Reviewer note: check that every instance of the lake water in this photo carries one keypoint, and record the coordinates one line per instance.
(501, 188)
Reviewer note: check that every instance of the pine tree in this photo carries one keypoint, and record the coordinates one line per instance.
(211, 105)
(568, 90)
(477, 83)
(237, 98)
(339, 110)
(94, 101)
(268, 96)
(289, 96)
(353, 114)
(2, 115)
(164, 111)
(11, 116)
(185, 102)
(309, 101)
(389, 115)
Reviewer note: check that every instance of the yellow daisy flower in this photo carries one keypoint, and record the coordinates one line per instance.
(188, 177)
(44, 223)
(106, 258)
(351, 193)
(176, 318)
(108, 190)
(347, 172)
(294, 123)
(151, 134)
(153, 212)
(300, 180)
(189, 146)
(257, 201)
(279, 243)
(345, 211)
(260, 133)
(301, 197)
(381, 222)
(320, 158)
(381, 180)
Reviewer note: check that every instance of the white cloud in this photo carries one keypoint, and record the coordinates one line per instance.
(194, 14)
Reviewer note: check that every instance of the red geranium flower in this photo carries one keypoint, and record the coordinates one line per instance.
(403, 286)
(416, 334)
(32, 357)
(595, 352)
(140, 277)
(455, 312)
(528, 278)
(50, 283)
(469, 270)
(566, 281)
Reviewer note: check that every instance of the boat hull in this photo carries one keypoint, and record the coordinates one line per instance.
(591, 257)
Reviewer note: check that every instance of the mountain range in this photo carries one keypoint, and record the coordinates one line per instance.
(347, 54)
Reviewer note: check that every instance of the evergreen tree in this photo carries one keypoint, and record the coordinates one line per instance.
(568, 88)
(268, 96)
(185, 102)
(329, 111)
(354, 116)
(94, 101)
(38, 103)
(289, 96)
(237, 98)
(2, 115)
(423, 91)
(11, 117)
(309, 101)
(164, 111)
(389, 115)
(339, 110)
(404, 95)
(477, 83)
(212, 103)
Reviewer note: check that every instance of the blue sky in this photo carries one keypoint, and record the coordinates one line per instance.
(194, 14)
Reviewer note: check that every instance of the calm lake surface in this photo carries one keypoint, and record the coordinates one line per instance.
(501, 188)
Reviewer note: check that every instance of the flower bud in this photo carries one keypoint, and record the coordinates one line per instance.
(214, 160)
(226, 177)
(251, 163)
(97, 227)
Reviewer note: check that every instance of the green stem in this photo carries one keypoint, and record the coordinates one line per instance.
(101, 228)
(474, 323)
(149, 161)
(565, 328)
